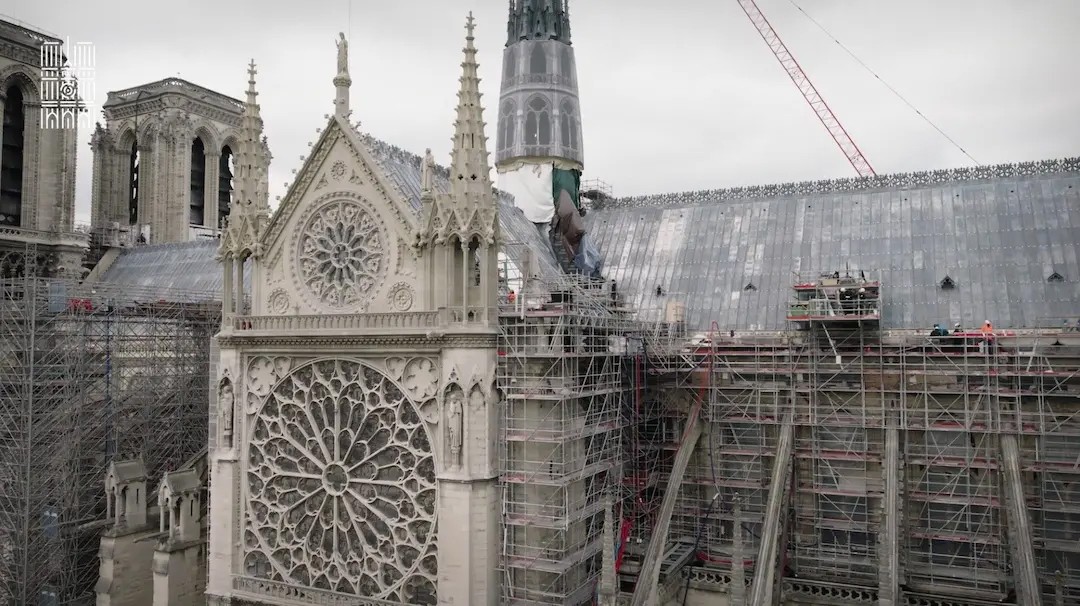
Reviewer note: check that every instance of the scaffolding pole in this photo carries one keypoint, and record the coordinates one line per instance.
(88, 375)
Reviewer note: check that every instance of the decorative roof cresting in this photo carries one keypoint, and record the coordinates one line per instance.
(892, 181)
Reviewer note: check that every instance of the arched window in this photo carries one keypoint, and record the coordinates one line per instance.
(133, 185)
(11, 159)
(198, 182)
(225, 186)
(538, 122)
(538, 60)
(568, 123)
(507, 116)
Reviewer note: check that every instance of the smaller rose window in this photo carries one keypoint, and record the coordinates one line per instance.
(342, 254)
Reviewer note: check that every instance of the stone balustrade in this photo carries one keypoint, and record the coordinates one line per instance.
(262, 588)
(19, 234)
(408, 321)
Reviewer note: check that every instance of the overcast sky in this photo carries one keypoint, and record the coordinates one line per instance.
(675, 96)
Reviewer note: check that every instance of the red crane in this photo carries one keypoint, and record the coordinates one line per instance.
(806, 87)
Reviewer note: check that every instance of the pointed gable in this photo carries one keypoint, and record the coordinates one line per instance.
(341, 239)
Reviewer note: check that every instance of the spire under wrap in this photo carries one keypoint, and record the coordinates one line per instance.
(250, 197)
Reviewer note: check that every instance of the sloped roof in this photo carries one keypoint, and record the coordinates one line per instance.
(998, 232)
(191, 267)
(188, 267)
(127, 471)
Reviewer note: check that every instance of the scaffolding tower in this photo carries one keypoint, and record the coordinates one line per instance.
(88, 374)
(560, 349)
(873, 465)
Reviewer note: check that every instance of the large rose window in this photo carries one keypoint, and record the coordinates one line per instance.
(341, 487)
(342, 254)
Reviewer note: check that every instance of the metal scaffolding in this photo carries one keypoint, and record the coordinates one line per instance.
(559, 368)
(88, 374)
(915, 461)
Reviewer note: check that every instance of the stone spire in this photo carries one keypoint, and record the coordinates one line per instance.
(469, 209)
(470, 172)
(250, 198)
(539, 20)
(342, 81)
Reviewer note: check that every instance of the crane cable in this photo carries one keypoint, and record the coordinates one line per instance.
(884, 83)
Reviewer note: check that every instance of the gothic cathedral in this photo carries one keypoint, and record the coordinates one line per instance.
(353, 440)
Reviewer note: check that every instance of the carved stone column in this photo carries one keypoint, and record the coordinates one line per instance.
(210, 185)
(31, 163)
(98, 200)
(145, 203)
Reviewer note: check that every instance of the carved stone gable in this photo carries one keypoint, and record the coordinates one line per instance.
(340, 231)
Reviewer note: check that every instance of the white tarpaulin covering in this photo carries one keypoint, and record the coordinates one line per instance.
(531, 187)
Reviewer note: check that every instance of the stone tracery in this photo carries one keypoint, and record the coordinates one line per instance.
(341, 482)
(342, 254)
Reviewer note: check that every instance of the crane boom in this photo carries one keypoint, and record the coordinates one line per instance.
(806, 87)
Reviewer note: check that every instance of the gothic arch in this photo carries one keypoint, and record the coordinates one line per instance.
(208, 135)
(569, 124)
(125, 138)
(537, 121)
(24, 77)
(507, 124)
(230, 139)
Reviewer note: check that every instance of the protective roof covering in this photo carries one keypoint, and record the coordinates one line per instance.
(732, 256)
(191, 267)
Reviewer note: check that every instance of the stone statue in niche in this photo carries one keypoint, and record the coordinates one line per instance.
(225, 404)
(427, 171)
(342, 54)
(454, 425)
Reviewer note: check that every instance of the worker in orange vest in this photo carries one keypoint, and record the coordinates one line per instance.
(987, 328)
(511, 297)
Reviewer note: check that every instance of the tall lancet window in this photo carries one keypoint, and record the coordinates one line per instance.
(538, 60)
(567, 65)
(507, 117)
(198, 182)
(225, 185)
(538, 122)
(133, 185)
(568, 125)
(11, 159)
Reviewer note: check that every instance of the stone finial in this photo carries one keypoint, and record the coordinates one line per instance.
(342, 81)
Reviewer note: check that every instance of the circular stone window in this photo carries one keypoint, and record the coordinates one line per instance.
(342, 255)
(341, 487)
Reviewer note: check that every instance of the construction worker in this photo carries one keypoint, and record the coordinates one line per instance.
(987, 331)
(938, 331)
(511, 297)
(864, 303)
